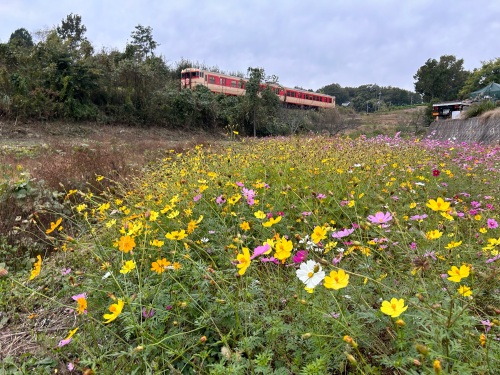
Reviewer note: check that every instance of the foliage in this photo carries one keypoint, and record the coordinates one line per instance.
(441, 79)
(228, 260)
(480, 77)
(477, 109)
(143, 43)
(370, 98)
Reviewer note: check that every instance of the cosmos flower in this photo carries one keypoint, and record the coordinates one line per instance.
(337, 280)
(380, 218)
(244, 261)
(342, 233)
(438, 205)
(37, 267)
(310, 273)
(319, 233)
(81, 300)
(457, 274)
(126, 243)
(394, 308)
(115, 310)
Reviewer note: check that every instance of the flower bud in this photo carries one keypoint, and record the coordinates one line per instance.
(400, 323)
(203, 339)
(422, 349)
(306, 335)
(348, 339)
(437, 366)
(351, 359)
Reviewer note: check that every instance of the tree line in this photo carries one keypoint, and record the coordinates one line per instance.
(62, 77)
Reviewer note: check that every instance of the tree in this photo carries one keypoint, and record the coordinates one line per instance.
(142, 43)
(21, 38)
(488, 73)
(253, 88)
(441, 79)
(72, 30)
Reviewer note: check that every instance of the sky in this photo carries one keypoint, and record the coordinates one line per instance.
(307, 43)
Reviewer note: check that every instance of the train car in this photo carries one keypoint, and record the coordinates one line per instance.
(228, 85)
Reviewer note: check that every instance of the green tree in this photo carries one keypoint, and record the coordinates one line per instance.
(142, 43)
(441, 79)
(21, 38)
(488, 73)
(72, 30)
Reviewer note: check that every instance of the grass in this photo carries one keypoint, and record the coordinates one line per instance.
(175, 258)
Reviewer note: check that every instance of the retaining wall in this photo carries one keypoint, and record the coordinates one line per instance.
(474, 130)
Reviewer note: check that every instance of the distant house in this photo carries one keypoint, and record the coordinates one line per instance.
(449, 110)
(346, 104)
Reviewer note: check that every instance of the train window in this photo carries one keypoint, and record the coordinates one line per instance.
(233, 83)
(223, 81)
(202, 74)
(211, 79)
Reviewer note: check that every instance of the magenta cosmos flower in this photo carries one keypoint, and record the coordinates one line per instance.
(380, 217)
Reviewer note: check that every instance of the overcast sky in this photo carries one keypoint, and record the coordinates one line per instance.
(307, 43)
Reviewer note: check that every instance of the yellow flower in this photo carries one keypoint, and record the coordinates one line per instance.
(482, 339)
(453, 244)
(447, 216)
(53, 226)
(465, 291)
(176, 235)
(192, 225)
(272, 221)
(433, 234)
(156, 243)
(457, 274)
(413, 205)
(126, 243)
(128, 266)
(483, 230)
(283, 249)
(244, 260)
(245, 226)
(394, 308)
(319, 233)
(173, 214)
(37, 267)
(438, 205)
(336, 280)
(153, 215)
(477, 217)
(115, 309)
(160, 265)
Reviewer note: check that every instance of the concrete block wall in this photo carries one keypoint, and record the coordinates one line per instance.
(474, 130)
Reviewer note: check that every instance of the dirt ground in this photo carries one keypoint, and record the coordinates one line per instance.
(30, 134)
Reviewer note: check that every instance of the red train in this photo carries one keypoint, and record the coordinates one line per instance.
(229, 85)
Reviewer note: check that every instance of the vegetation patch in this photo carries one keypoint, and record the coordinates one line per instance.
(301, 255)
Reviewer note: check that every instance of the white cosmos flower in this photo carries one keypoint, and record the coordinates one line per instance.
(310, 273)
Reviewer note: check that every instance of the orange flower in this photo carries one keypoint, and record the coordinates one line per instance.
(126, 243)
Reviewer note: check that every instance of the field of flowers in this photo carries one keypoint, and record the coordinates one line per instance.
(306, 255)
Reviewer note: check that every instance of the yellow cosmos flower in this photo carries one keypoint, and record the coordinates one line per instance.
(259, 215)
(173, 214)
(283, 248)
(433, 234)
(319, 233)
(413, 205)
(37, 267)
(156, 243)
(153, 215)
(53, 226)
(457, 274)
(126, 243)
(453, 244)
(245, 226)
(336, 280)
(176, 235)
(115, 309)
(465, 291)
(128, 266)
(160, 265)
(272, 221)
(394, 308)
(244, 260)
(438, 205)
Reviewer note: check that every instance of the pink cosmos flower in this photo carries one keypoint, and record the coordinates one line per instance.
(492, 224)
(220, 200)
(272, 259)
(196, 198)
(240, 184)
(380, 217)
(342, 233)
(259, 250)
(300, 256)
